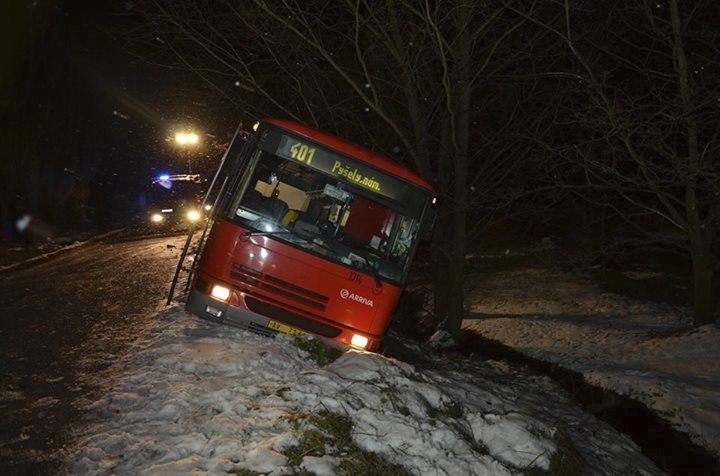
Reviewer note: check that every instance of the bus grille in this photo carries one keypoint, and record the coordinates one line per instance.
(288, 317)
(279, 287)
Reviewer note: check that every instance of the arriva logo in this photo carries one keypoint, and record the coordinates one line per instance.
(345, 294)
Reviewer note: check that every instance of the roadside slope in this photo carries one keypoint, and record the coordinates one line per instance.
(641, 349)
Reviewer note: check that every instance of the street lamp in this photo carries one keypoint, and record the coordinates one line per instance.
(185, 139)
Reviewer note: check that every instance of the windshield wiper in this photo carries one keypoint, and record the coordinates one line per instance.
(274, 228)
(371, 264)
(267, 233)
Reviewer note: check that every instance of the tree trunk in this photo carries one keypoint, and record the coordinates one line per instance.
(443, 227)
(456, 270)
(460, 120)
(700, 238)
(441, 265)
(449, 252)
(701, 253)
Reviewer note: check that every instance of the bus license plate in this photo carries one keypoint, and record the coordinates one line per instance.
(285, 329)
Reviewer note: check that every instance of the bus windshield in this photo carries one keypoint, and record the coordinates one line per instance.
(329, 215)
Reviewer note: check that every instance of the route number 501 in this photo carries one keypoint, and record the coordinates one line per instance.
(302, 152)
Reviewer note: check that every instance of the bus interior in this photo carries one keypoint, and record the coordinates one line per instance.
(327, 216)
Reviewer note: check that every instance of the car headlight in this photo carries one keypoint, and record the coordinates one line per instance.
(156, 218)
(193, 215)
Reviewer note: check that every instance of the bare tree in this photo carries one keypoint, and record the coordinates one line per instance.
(645, 114)
(414, 80)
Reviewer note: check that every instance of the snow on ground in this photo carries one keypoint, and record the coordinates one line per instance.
(636, 348)
(40, 254)
(46, 249)
(204, 398)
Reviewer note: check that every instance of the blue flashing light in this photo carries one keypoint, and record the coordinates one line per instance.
(164, 177)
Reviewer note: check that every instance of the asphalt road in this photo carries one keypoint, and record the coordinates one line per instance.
(65, 327)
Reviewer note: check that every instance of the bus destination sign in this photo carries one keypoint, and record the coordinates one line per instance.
(334, 164)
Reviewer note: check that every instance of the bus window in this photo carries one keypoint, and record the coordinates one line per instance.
(326, 216)
(406, 234)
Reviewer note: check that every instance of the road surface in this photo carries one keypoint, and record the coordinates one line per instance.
(64, 325)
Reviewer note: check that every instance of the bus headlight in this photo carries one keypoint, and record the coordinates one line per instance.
(193, 215)
(220, 292)
(156, 218)
(359, 341)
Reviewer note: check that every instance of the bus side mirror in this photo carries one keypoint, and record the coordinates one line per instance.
(428, 224)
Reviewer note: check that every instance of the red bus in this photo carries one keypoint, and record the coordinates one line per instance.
(311, 234)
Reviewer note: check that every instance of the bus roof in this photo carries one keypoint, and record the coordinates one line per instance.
(353, 150)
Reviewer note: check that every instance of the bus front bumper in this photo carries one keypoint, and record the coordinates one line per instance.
(212, 309)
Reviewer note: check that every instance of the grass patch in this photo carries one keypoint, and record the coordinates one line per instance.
(466, 434)
(431, 411)
(331, 434)
(451, 409)
(566, 460)
(246, 472)
(415, 376)
(368, 464)
(312, 443)
(320, 352)
(390, 396)
(447, 409)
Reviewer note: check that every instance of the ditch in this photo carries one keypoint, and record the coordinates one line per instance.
(669, 449)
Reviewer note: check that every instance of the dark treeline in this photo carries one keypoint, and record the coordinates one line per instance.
(61, 159)
(36, 75)
(588, 121)
(585, 119)
(80, 135)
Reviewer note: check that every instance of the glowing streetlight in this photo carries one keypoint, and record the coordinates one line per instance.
(185, 139)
